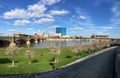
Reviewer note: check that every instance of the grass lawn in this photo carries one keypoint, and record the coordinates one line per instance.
(41, 60)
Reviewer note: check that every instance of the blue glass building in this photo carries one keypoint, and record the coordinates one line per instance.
(61, 30)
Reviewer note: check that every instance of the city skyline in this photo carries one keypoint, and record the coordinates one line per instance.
(79, 17)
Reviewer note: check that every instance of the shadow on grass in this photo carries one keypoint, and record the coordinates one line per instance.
(53, 65)
(68, 56)
(4, 60)
(34, 61)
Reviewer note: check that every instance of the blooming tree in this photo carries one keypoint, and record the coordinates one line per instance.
(12, 49)
(28, 52)
(75, 51)
(56, 51)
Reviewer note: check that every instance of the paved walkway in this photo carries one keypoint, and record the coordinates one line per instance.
(94, 66)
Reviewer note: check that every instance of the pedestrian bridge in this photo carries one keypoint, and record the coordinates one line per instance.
(103, 64)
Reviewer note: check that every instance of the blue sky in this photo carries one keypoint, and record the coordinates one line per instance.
(80, 17)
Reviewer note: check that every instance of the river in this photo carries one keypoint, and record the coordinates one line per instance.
(61, 43)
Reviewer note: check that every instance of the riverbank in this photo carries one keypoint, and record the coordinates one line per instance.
(73, 39)
(42, 59)
(100, 59)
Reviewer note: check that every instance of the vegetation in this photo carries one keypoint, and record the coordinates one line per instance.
(4, 43)
(56, 51)
(11, 50)
(42, 58)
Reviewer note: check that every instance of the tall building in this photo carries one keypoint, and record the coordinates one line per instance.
(61, 30)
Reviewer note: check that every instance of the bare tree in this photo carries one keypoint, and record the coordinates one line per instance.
(29, 54)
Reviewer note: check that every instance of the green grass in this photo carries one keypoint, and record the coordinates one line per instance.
(41, 59)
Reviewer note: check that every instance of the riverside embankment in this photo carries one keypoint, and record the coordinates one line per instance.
(104, 64)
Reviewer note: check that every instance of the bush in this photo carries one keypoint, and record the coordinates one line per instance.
(4, 43)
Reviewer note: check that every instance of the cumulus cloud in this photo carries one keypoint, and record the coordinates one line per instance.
(36, 10)
(44, 21)
(33, 11)
(17, 13)
(21, 22)
(59, 12)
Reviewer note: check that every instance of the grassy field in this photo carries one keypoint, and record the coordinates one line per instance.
(41, 60)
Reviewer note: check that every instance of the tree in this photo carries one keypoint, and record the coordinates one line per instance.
(12, 49)
(56, 51)
(75, 51)
(28, 52)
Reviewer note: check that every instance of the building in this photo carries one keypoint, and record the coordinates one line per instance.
(61, 30)
(100, 36)
(58, 35)
(45, 34)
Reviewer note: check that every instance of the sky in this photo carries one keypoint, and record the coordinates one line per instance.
(80, 17)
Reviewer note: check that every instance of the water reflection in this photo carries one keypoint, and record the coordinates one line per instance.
(48, 44)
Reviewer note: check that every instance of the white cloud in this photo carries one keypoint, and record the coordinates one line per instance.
(17, 13)
(76, 28)
(44, 21)
(21, 22)
(53, 27)
(33, 11)
(36, 10)
(83, 17)
(49, 2)
(116, 9)
(116, 14)
(59, 12)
